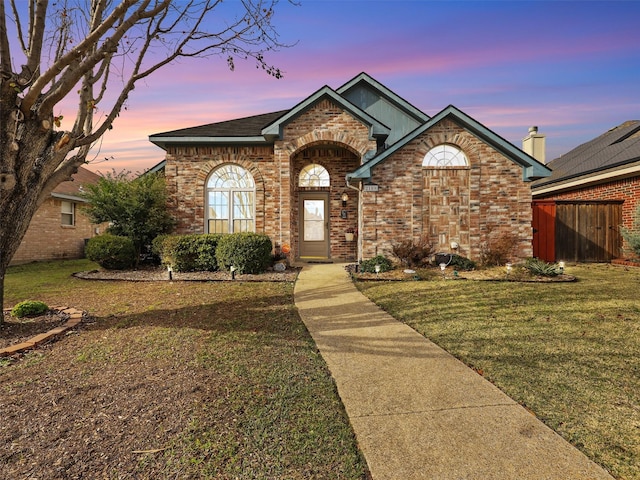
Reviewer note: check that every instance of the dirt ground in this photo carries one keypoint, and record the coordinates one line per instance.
(66, 415)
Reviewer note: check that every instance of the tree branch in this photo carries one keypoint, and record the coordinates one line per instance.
(5, 49)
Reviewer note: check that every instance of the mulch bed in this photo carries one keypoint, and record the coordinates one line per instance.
(155, 274)
(17, 330)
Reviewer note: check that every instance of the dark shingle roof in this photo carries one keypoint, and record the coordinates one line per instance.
(241, 127)
(74, 187)
(615, 148)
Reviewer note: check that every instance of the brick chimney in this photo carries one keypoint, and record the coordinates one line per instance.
(534, 145)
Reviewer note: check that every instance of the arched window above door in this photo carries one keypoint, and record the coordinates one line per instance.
(314, 175)
(231, 197)
(445, 155)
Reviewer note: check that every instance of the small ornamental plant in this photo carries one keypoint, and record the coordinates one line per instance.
(29, 308)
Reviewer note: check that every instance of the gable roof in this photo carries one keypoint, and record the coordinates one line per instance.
(611, 152)
(376, 128)
(531, 168)
(365, 79)
(73, 189)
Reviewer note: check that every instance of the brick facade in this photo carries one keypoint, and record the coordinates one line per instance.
(466, 205)
(48, 239)
(469, 206)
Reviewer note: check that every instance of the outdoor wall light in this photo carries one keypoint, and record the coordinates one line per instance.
(345, 198)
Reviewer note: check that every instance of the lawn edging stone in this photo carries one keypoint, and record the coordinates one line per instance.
(75, 318)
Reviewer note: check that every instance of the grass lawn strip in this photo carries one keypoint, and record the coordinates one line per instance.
(567, 351)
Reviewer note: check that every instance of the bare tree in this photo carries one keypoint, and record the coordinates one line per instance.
(93, 52)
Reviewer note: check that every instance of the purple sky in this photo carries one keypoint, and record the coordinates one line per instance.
(571, 68)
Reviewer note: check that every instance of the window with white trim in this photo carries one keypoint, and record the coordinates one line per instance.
(445, 156)
(314, 175)
(231, 197)
(68, 213)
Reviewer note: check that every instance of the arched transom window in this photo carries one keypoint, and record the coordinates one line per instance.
(231, 194)
(314, 175)
(445, 156)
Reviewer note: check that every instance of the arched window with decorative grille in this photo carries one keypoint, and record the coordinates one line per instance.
(231, 193)
(314, 175)
(445, 155)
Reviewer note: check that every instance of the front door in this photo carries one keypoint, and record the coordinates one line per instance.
(314, 224)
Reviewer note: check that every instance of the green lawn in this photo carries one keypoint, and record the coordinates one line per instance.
(210, 380)
(570, 352)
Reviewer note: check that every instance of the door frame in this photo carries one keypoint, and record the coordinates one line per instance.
(324, 251)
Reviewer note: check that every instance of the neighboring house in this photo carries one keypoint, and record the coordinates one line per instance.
(59, 228)
(593, 190)
(358, 158)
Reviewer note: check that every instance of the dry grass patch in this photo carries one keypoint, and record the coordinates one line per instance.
(171, 380)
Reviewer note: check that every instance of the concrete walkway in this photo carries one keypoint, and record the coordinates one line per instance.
(417, 412)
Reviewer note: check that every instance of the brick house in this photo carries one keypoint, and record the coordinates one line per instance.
(355, 159)
(592, 191)
(59, 228)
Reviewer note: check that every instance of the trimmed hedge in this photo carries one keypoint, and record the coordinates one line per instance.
(188, 253)
(247, 252)
(111, 252)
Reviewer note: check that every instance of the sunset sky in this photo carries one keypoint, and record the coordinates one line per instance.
(571, 68)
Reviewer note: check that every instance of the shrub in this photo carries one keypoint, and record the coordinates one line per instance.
(28, 308)
(632, 235)
(247, 252)
(111, 252)
(458, 262)
(539, 267)
(187, 253)
(413, 254)
(498, 248)
(369, 266)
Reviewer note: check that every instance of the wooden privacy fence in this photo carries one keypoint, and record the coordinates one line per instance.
(577, 230)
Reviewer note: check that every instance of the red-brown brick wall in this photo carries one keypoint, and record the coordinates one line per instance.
(469, 206)
(48, 239)
(465, 205)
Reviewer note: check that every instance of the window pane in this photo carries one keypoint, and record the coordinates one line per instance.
(218, 204)
(313, 220)
(242, 205)
(218, 226)
(67, 213)
(231, 176)
(243, 226)
(314, 175)
(445, 156)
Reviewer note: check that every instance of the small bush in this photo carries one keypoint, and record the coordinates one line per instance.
(111, 252)
(541, 268)
(369, 266)
(632, 235)
(458, 262)
(498, 248)
(188, 253)
(413, 253)
(247, 252)
(29, 308)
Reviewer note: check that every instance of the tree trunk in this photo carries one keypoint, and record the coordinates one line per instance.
(30, 158)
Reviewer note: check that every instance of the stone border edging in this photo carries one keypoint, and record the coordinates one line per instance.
(75, 317)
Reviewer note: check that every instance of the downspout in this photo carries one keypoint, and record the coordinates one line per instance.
(360, 230)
